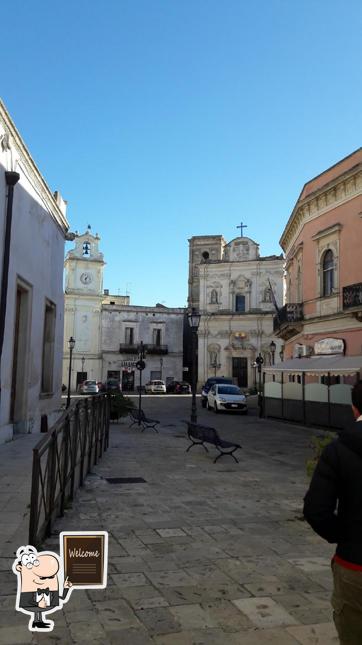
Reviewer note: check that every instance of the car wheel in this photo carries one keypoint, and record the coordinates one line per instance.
(215, 408)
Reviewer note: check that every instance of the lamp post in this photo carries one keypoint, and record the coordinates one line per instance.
(83, 361)
(161, 366)
(272, 348)
(140, 366)
(71, 343)
(259, 361)
(281, 353)
(194, 321)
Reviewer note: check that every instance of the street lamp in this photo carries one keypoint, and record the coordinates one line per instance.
(83, 361)
(272, 348)
(281, 353)
(259, 361)
(71, 343)
(161, 366)
(194, 321)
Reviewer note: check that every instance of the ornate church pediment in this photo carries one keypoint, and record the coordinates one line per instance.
(241, 249)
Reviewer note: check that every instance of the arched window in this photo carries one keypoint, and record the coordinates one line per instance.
(239, 302)
(328, 273)
(86, 248)
(213, 297)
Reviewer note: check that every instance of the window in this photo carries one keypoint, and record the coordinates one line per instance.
(156, 337)
(129, 335)
(48, 348)
(213, 297)
(328, 273)
(239, 302)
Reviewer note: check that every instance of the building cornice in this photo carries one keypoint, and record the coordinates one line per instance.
(337, 192)
(31, 170)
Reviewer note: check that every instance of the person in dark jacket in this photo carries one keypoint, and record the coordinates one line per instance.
(333, 508)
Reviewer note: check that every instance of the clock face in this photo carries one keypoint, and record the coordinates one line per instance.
(86, 278)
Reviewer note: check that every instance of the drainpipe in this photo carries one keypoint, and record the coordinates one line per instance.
(11, 179)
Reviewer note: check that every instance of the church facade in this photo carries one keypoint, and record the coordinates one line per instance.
(108, 330)
(234, 288)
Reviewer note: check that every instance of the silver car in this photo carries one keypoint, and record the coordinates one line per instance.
(226, 397)
(89, 387)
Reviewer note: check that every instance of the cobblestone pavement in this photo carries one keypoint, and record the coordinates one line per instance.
(201, 553)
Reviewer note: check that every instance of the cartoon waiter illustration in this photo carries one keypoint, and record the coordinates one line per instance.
(38, 586)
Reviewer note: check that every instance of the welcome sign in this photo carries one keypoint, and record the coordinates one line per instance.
(85, 558)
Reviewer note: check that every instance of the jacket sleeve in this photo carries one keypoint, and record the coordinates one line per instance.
(320, 502)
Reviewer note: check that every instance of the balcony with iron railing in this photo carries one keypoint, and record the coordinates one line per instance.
(352, 296)
(288, 322)
(127, 348)
(157, 349)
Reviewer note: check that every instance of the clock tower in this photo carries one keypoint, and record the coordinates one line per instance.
(84, 266)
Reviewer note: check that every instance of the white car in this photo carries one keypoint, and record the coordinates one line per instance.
(89, 387)
(226, 397)
(155, 387)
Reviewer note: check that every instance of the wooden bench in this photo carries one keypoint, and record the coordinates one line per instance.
(140, 418)
(205, 434)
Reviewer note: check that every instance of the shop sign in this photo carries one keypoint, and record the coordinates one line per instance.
(329, 346)
(128, 364)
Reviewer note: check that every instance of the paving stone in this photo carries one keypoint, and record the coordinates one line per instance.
(202, 593)
(318, 634)
(129, 579)
(265, 612)
(116, 614)
(158, 620)
(168, 533)
(193, 617)
(311, 564)
(143, 597)
(171, 578)
(129, 637)
(193, 637)
(87, 632)
(227, 616)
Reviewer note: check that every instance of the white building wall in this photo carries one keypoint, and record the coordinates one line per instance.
(36, 259)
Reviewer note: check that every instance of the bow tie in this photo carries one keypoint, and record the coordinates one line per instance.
(43, 591)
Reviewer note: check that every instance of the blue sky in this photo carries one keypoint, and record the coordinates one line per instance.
(159, 120)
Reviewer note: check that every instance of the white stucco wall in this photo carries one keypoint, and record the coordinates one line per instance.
(36, 258)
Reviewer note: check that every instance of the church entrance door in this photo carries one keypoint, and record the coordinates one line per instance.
(240, 371)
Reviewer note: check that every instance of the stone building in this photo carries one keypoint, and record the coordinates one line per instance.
(108, 329)
(322, 242)
(233, 287)
(33, 228)
(321, 322)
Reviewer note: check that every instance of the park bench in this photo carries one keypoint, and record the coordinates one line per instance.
(139, 416)
(205, 434)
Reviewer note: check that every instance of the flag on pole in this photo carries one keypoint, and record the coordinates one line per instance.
(273, 298)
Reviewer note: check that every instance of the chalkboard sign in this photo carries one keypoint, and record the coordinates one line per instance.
(85, 557)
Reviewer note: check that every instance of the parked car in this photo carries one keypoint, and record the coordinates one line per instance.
(209, 383)
(155, 387)
(88, 387)
(113, 386)
(226, 397)
(179, 387)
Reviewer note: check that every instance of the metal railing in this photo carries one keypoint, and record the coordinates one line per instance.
(62, 459)
(352, 296)
(290, 313)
